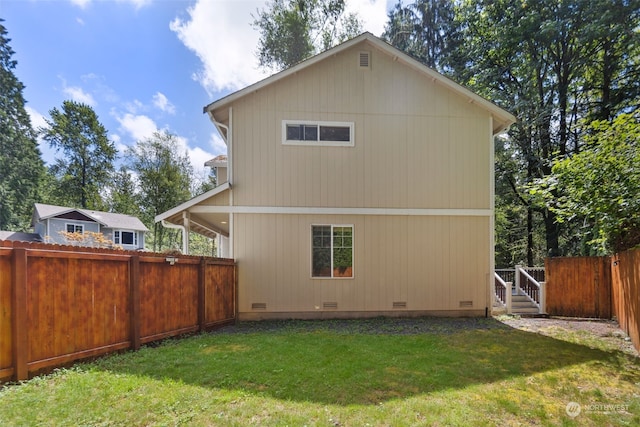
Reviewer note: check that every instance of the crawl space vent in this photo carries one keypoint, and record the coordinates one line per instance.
(259, 306)
(326, 305)
(399, 304)
(466, 304)
(364, 59)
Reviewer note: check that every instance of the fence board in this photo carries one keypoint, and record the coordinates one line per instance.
(60, 304)
(219, 297)
(169, 298)
(625, 272)
(6, 339)
(578, 287)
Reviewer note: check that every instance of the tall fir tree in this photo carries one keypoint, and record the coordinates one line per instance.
(21, 165)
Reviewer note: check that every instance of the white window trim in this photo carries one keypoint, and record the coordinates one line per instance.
(318, 143)
(75, 225)
(120, 231)
(353, 247)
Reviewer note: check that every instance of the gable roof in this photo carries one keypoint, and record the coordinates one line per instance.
(501, 118)
(18, 236)
(106, 219)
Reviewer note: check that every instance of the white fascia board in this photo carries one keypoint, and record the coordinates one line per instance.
(286, 210)
(188, 205)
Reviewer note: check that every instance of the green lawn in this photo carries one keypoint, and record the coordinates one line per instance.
(356, 373)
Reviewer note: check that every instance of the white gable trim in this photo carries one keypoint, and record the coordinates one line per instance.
(505, 118)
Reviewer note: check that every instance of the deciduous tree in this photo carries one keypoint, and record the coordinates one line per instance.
(87, 161)
(293, 30)
(164, 176)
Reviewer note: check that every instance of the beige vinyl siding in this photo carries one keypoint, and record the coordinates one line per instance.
(221, 199)
(430, 262)
(417, 144)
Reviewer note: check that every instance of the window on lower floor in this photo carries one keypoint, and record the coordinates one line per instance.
(123, 237)
(75, 228)
(332, 251)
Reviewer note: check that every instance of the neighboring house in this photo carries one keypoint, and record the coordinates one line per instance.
(18, 236)
(358, 183)
(51, 222)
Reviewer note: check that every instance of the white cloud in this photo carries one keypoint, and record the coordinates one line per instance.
(217, 144)
(81, 3)
(161, 102)
(79, 95)
(139, 127)
(373, 13)
(136, 3)
(220, 34)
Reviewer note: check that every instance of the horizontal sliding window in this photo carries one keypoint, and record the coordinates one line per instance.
(317, 133)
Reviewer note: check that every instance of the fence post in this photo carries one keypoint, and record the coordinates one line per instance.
(134, 300)
(20, 321)
(507, 297)
(543, 297)
(517, 279)
(201, 294)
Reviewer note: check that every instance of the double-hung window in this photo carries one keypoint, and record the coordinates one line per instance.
(300, 132)
(332, 251)
(75, 228)
(124, 237)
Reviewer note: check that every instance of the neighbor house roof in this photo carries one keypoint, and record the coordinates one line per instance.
(106, 219)
(501, 118)
(18, 236)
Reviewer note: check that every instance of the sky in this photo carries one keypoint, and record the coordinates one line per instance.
(143, 65)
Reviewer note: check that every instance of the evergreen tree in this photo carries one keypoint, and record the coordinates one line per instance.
(123, 197)
(21, 165)
(86, 166)
(425, 29)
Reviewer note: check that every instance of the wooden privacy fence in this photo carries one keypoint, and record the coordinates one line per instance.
(59, 304)
(578, 287)
(601, 287)
(625, 278)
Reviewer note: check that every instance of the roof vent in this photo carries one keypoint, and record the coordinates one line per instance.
(259, 306)
(399, 304)
(332, 305)
(466, 304)
(364, 59)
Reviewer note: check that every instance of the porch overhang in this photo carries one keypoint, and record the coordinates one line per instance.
(209, 224)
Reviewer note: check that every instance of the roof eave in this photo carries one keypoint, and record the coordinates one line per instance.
(188, 204)
(504, 118)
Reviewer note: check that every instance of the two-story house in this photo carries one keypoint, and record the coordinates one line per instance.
(53, 222)
(358, 183)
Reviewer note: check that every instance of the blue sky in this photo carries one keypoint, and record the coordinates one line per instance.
(143, 65)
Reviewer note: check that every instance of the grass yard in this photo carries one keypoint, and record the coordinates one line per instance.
(344, 373)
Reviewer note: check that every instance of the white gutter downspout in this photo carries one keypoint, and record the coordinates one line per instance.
(185, 248)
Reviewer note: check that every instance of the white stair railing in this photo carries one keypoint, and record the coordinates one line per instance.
(527, 285)
(503, 292)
